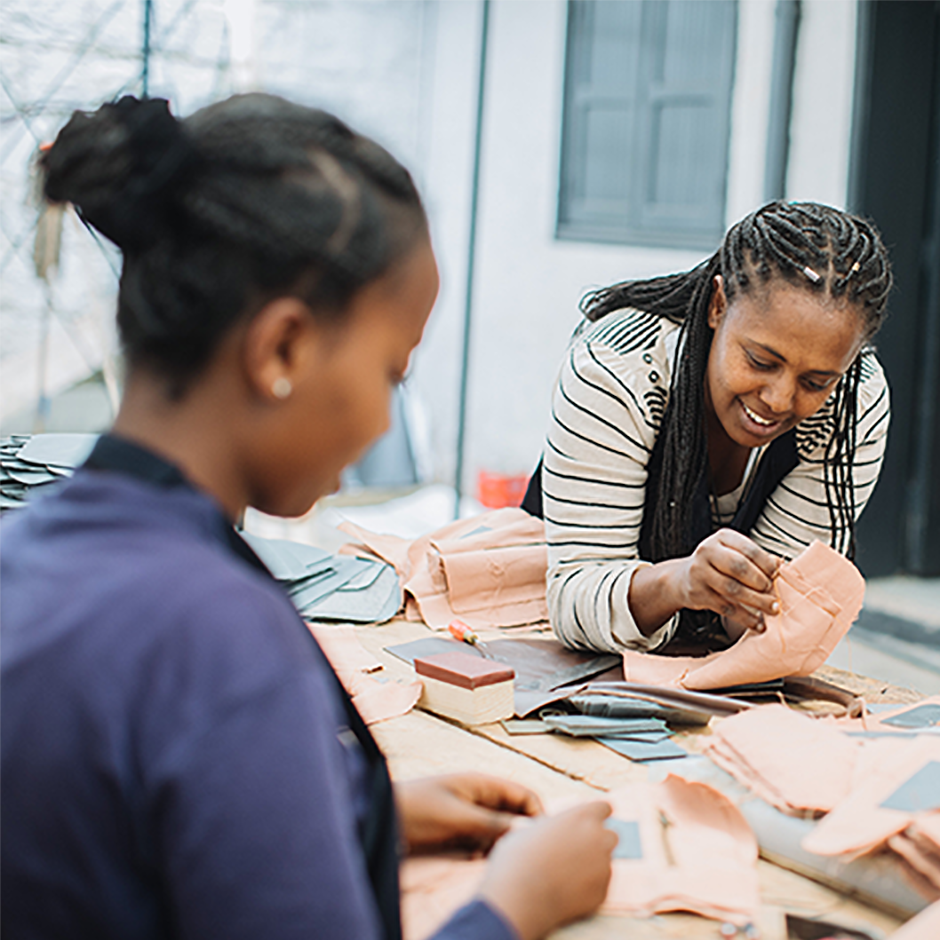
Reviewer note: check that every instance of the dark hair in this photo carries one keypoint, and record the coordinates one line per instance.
(816, 247)
(246, 200)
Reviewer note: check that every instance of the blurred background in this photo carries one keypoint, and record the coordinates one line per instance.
(560, 146)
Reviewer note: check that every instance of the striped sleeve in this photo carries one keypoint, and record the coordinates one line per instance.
(606, 412)
(796, 511)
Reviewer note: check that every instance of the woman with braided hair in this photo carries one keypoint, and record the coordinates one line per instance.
(179, 759)
(707, 425)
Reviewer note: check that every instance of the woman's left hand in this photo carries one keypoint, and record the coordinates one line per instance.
(466, 811)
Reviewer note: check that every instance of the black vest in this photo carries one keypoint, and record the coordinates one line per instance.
(378, 832)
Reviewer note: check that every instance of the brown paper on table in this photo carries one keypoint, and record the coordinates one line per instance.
(375, 701)
(792, 761)
(820, 594)
(704, 861)
(859, 823)
(488, 571)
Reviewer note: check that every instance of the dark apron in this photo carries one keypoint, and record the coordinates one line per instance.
(780, 458)
(378, 833)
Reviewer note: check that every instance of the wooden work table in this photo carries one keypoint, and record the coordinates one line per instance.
(557, 767)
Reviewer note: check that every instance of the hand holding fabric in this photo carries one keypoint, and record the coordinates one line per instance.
(552, 872)
(467, 811)
(731, 575)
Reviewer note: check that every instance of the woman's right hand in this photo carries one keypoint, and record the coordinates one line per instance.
(552, 870)
(731, 575)
(727, 573)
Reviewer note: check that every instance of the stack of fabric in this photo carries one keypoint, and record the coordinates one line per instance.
(640, 739)
(330, 587)
(488, 571)
(876, 791)
(29, 463)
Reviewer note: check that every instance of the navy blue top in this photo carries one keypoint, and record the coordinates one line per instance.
(175, 756)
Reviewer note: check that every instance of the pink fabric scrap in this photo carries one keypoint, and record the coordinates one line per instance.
(699, 853)
(820, 594)
(375, 701)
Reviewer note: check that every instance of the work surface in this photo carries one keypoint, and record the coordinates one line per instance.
(557, 767)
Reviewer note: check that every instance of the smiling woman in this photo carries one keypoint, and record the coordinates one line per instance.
(707, 425)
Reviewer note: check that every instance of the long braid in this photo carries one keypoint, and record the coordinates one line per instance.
(814, 247)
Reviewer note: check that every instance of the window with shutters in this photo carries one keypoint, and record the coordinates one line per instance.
(647, 116)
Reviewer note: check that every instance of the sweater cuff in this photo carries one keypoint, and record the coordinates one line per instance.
(623, 627)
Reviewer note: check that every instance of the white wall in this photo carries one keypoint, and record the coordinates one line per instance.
(529, 283)
(821, 125)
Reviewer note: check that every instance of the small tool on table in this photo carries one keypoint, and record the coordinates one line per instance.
(460, 631)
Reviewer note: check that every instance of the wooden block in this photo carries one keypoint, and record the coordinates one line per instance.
(467, 688)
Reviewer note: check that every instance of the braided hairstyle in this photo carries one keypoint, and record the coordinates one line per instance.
(246, 200)
(815, 247)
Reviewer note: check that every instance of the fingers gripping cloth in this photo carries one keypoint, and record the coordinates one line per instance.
(820, 594)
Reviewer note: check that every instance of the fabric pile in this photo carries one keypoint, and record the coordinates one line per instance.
(820, 594)
(330, 587)
(893, 806)
(769, 749)
(639, 739)
(29, 463)
(879, 793)
(488, 571)
(682, 847)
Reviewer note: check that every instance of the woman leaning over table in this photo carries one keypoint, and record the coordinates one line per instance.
(179, 759)
(707, 425)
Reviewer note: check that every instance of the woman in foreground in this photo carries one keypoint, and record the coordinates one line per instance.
(179, 759)
(707, 425)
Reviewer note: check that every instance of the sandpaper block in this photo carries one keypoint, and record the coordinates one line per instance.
(465, 687)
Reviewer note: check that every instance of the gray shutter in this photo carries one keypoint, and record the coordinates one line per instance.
(647, 119)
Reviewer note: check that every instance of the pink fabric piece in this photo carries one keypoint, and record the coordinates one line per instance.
(770, 748)
(488, 571)
(820, 594)
(710, 866)
(859, 823)
(375, 701)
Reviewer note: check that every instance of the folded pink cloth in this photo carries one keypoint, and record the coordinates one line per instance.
(792, 761)
(820, 594)
(375, 701)
(488, 571)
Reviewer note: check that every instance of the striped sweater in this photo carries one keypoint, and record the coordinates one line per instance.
(606, 412)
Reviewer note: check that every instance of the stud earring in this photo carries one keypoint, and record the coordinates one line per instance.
(281, 388)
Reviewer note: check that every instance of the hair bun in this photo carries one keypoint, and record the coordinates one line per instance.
(121, 167)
